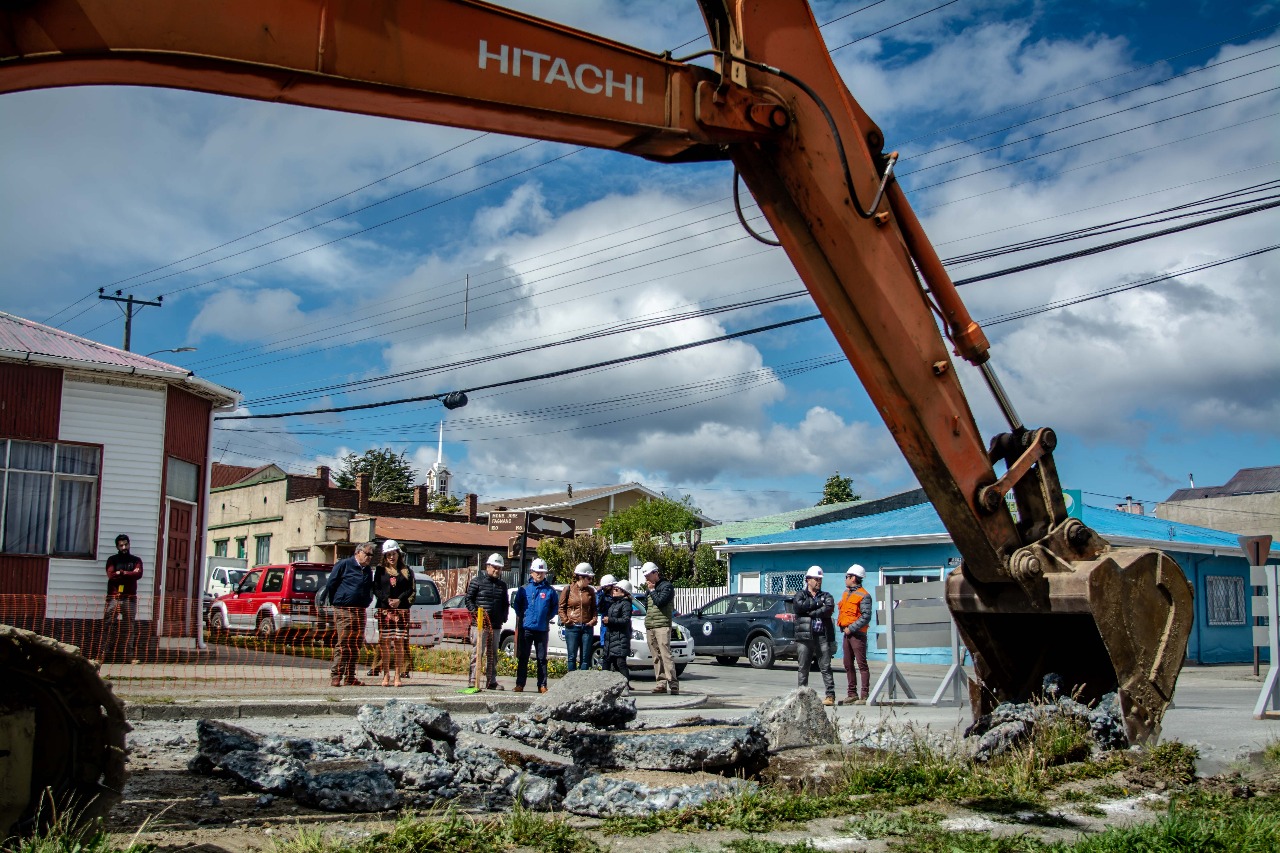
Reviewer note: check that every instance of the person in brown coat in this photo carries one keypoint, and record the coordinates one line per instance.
(578, 617)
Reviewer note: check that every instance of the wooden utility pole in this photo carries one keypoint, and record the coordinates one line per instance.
(132, 306)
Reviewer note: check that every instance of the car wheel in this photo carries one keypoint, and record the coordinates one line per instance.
(266, 627)
(507, 645)
(726, 660)
(760, 652)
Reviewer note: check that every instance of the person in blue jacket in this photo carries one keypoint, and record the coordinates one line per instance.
(535, 603)
(350, 590)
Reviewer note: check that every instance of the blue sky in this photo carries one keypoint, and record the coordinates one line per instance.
(199, 197)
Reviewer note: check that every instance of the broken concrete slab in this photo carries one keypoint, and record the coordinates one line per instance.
(406, 726)
(798, 719)
(586, 696)
(720, 748)
(353, 785)
(641, 794)
(267, 773)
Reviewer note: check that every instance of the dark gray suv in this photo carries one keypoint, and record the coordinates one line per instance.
(759, 627)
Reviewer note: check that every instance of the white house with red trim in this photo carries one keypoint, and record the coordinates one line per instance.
(94, 442)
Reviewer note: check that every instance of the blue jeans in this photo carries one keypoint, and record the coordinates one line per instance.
(580, 643)
(536, 642)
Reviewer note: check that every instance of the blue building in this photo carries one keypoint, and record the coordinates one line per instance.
(910, 544)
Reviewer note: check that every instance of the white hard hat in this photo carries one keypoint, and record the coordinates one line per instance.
(625, 586)
(495, 559)
(649, 568)
(538, 565)
(814, 572)
(390, 545)
(608, 580)
(856, 571)
(584, 570)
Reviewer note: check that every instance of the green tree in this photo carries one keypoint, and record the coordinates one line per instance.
(838, 490)
(707, 569)
(661, 515)
(563, 555)
(445, 503)
(391, 477)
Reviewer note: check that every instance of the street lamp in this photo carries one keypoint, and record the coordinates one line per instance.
(179, 349)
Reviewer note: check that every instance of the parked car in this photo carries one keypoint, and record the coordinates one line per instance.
(224, 579)
(426, 616)
(457, 619)
(271, 600)
(682, 651)
(755, 625)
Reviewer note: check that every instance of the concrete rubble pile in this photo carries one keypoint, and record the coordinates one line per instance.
(1011, 724)
(570, 750)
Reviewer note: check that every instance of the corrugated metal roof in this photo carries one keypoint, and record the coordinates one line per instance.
(562, 499)
(18, 334)
(1246, 481)
(226, 475)
(923, 521)
(440, 532)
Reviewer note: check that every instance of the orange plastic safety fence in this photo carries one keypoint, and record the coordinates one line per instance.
(171, 652)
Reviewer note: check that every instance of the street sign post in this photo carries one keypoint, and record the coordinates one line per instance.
(511, 522)
(549, 525)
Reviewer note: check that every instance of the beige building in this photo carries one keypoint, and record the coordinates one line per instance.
(1248, 504)
(587, 507)
(269, 516)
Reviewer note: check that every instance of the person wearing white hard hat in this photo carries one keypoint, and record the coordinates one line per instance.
(487, 600)
(617, 625)
(657, 627)
(815, 633)
(535, 604)
(853, 617)
(578, 617)
(393, 591)
(604, 596)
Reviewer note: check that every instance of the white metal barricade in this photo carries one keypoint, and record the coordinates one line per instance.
(1267, 635)
(915, 616)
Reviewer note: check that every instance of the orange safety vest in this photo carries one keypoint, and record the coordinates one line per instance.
(851, 606)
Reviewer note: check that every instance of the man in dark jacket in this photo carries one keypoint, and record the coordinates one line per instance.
(123, 572)
(815, 631)
(657, 628)
(487, 593)
(350, 591)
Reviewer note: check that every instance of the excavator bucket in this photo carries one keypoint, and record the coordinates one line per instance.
(1118, 623)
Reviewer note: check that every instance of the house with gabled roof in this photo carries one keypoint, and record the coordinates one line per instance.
(910, 544)
(587, 507)
(97, 441)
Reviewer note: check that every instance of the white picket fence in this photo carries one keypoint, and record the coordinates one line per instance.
(691, 598)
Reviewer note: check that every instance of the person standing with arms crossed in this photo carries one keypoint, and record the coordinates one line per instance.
(487, 592)
(578, 616)
(124, 570)
(853, 619)
(350, 590)
(815, 632)
(535, 604)
(657, 627)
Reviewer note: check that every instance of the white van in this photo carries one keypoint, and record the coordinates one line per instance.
(224, 579)
(426, 617)
(681, 642)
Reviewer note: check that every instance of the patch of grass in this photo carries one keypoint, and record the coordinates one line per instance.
(878, 824)
(147, 699)
(1197, 822)
(458, 833)
(556, 667)
(753, 812)
(947, 841)
(759, 845)
(1172, 761)
(1271, 752)
(63, 837)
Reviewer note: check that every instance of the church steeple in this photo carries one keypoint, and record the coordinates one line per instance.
(438, 477)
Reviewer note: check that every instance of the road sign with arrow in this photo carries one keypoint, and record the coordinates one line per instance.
(549, 525)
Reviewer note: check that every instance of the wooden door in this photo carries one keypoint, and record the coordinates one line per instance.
(178, 613)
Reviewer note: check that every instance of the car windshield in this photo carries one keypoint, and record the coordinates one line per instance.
(637, 609)
(235, 575)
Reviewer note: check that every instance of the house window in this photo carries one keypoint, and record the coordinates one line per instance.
(455, 561)
(240, 547)
(182, 480)
(49, 493)
(1225, 596)
(782, 583)
(911, 574)
(220, 547)
(299, 555)
(262, 549)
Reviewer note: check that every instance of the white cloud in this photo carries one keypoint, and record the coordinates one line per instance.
(238, 315)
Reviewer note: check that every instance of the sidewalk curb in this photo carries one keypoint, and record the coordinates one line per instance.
(480, 703)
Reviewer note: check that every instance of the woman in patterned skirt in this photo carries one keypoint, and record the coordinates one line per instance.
(393, 592)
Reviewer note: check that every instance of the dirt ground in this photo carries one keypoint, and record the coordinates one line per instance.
(169, 807)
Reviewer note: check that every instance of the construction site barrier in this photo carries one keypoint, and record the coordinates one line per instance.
(169, 652)
(1266, 606)
(915, 616)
